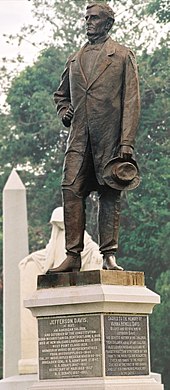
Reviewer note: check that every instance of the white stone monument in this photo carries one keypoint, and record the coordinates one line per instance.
(15, 248)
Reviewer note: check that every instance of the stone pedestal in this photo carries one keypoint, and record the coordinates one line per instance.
(93, 331)
(18, 382)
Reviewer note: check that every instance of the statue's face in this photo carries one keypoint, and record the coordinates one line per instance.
(95, 22)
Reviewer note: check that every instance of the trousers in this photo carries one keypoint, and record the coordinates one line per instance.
(74, 203)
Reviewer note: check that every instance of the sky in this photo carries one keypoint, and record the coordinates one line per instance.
(13, 15)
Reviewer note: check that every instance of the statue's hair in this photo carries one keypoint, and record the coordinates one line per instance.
(105, 8)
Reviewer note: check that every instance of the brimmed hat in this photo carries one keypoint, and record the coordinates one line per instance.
(121, 175)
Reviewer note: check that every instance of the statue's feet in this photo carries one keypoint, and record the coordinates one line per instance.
(109, 263)
(70, 264)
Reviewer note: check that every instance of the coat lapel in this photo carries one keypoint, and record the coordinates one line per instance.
(103, 60)
(77, 59)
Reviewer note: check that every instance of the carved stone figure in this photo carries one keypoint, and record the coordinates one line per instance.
(98, 98)
(54, 252)
(37, 263)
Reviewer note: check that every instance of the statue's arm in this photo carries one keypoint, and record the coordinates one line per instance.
(130, 106)
(62, 98)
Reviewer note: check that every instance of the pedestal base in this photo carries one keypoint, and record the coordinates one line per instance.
(27, 366)
(93, 331)
(18, 382)
(138, 383)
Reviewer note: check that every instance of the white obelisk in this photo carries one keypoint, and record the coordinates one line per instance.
(15, 248)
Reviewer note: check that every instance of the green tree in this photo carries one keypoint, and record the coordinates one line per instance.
(145, 216)
(160, 8)
(160, 319)
(40, 138)
(32, 138)
(37, 134)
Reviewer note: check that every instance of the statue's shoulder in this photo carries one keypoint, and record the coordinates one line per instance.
(121, 50)
(75, 54)
(71, 57)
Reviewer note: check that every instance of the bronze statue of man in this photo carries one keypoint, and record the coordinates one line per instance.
(98, 98)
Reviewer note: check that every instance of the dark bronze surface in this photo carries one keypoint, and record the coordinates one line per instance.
(122, 278)
(70, 264)
(98, 97)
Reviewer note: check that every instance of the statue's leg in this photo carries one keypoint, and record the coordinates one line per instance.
(109, 219)
(74, 221)
(74, 196)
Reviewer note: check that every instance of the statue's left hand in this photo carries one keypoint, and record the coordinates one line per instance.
(126, 152)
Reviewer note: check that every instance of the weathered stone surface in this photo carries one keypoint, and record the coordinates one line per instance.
(88, 334)
(65, 279)
(137, 383)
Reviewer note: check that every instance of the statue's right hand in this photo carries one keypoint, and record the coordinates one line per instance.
(67, 117)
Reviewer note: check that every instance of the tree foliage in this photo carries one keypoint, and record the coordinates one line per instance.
(61, 23)
(35, 142)
(160, 341)
(160, 8)
(146, 216)
(32, 139)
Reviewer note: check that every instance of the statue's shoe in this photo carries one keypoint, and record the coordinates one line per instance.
(70, 264)
(109, 263)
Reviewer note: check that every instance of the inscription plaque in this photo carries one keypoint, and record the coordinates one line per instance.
(70, 347)
(126, 345)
